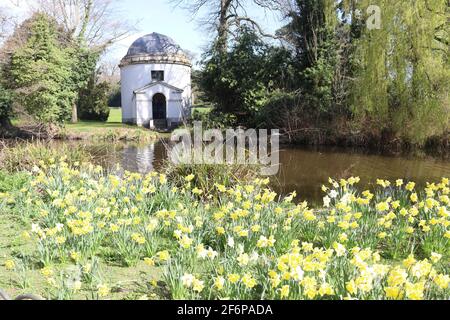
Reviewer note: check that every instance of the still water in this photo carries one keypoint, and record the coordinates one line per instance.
(303, 170)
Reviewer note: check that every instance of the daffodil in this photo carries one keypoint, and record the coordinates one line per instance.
(393, 293)
(10, 264)
(284, 292)
(234, 278)
(163, 255)
(249, 281)
(219, 283)
(103, 290)
(436, 257)
(442, 281)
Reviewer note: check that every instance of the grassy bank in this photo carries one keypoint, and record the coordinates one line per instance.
(82, 233)
(112, 130)
(23, 155)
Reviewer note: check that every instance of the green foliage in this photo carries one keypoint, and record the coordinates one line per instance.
(312, 32)
(403, 72)
(277, 107)
(251, 78)
(115, 96)
(5, 102)
(214, 119)
(12, 181)
(93, 101)
(84, 61)
(206, 176)
(239, 81)
(41, 71)
(348, 81)
(83, 64)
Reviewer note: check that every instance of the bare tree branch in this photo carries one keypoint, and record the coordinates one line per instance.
(96, 22)
(7, 23)
(256, 26)
(225, 16)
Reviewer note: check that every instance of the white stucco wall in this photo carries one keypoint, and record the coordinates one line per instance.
(144, 105)
(136, 76)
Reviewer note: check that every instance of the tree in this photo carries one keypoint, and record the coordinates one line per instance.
(93, 101)
(402, 77)
(5, 106)
(40, 72)
(5, 94)
(239, 81)
(84, 62)
(226, 17)
(319, 38)
(90, 27)
(95, 23)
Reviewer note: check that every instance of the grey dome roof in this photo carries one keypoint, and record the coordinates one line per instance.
(154, 44)
(155, 48)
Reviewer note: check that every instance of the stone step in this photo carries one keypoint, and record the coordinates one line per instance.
(160, 123)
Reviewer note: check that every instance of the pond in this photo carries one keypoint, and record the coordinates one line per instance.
(303, 169)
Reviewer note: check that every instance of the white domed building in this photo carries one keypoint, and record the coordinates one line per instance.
(155, 83)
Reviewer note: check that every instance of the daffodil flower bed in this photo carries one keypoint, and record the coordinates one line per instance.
(244, 242)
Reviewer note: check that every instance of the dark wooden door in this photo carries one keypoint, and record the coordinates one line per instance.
(159, 107)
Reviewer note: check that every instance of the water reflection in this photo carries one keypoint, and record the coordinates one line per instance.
(302, 169)
(305, 170)
(130, 157)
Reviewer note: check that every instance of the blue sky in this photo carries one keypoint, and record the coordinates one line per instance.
(161, 16)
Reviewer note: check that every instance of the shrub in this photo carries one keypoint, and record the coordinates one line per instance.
(215, 119)
(93, 101)
(115, 97)
(40, 72)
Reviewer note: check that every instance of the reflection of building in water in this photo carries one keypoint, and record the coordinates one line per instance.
(139, 158)
(144, 158)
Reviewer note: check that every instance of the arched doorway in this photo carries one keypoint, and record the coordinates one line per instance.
(159, 107)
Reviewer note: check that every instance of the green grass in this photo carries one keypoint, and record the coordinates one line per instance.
(114, 122)
(130, 283)
(13, 245)
(112, 129)
(90, 126)
(202, 110)
(115, 115)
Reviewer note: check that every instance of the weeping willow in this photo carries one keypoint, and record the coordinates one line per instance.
(403, 73)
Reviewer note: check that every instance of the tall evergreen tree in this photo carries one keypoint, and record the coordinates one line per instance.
(41, 73)
(84, 62)
(312, 32)
(5, 106)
